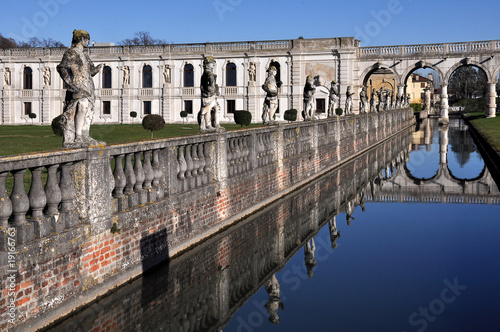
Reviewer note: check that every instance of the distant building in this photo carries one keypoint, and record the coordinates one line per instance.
(415, 87)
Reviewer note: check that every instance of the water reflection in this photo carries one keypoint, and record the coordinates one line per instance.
(240, 280)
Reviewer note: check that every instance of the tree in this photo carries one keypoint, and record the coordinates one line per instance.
(142, 38)
(467, 82)
(290, 115)
(242, 118)
(7, 42)
(153, 122)
(32, 42)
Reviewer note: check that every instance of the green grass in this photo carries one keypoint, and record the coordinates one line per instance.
(26, 139)
(488, 127)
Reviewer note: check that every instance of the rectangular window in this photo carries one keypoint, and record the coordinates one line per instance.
(147, 107)
(320, 105)
(230, 106)
(106, 107)
(188, 106)
(27, 108)
(422, 85)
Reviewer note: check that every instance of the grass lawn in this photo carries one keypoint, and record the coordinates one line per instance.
(25, 139)
(489, 128)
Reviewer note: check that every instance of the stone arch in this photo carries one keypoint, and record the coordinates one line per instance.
(468, 62)
(417, 66)
(376, 66)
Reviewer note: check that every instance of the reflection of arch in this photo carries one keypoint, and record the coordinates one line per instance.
(479, 177)
(469, 62)
(417, 180)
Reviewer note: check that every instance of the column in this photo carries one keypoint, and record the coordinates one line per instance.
(490, 112)
(444, 104)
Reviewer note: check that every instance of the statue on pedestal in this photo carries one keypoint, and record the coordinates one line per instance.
(309, 90)
(363, 100)
(270, 86)
(76, 70)
(6, 76)
(46, 76)
(333, 99)
(209, 113)
(373, 102)
(348, 101)
(251, 72)
(126, 75)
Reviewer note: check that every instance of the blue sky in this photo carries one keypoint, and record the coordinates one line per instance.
(389, 22)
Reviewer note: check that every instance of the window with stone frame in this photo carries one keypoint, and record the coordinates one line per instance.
(230, 106)
(188, 76)
(320, 105)
(188, 106)
(230, 74)
(106, 77)
(27, 78)
(147, 77)
(27, 108)
(147, 107)
(106, 107)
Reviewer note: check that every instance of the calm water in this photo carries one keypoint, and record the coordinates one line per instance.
(357, 250)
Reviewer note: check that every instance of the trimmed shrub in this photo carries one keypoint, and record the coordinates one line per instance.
(184, 115)
(32, 116)
(133, 114)
(339, 111)
(56, 126)
(417, 107)
(242, 118)
(290, 115)
(153, 122)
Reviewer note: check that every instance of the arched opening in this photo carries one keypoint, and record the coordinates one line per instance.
(381, 89)
(230, 74)
(188, 75)
(147, 77)
(468, 88)
(423, 85)
(106, 77)
(27, 78)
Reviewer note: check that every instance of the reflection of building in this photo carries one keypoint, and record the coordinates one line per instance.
(415, 87)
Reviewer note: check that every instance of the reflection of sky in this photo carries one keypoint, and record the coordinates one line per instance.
(393, 260)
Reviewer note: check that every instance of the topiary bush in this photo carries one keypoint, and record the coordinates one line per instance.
(153, 122)
(339, 111)
(56, 126)
(184, 115)
(290, 115)
(417, 107)
(243, 118)
(32, 116)
(133, 114)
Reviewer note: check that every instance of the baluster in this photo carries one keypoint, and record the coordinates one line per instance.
(156, 168)
(237, 159)
(181, 163)
(5, 203)
(244, 153)
(139, 172)
(67, 189)
(201, 158)
(258, 149)
(208, 160)
(36, 195)
(119, 175)
(129, 174)
(189, 165)
(196, 166)
(19, 199)
(148, 170)
(52, 191)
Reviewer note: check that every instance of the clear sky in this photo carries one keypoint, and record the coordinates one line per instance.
(388, 22)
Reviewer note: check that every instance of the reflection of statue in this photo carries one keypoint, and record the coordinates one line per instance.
(270, 86)
(126, 75)
(166, 74)
(334, 232)
(333, 99)
(309, 260)
(251, 72)
(274, 303)
(209, 91)
(76, 70)
(373, 102)
(363, 100)
(349, 210)
(46, 76)
(348, 101)
(427, 98)
(309, 90)
(6, 76)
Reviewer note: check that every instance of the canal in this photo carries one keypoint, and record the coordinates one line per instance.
(403, 238)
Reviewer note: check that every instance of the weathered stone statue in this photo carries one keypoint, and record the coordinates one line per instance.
(270, 86)
(309, 90)
(251, 72)
(210, 108)
(309, 259)
(382, 98)
(273, 291)
(76, 70)
(363, 100)
(333, 99)
(373, 101)
(348, 101)
(427, 99)
(334, 232)
(126, 76)
(166, 74)
(46, 76)
(6, 76)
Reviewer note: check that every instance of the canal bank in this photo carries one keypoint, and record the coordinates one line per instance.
(94, 227)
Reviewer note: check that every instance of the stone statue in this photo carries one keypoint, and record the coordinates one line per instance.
(76, 70)
(310, 262)
(6, 76)
(373, 101)
(382, 98)
(209, 113)
(126, 75)
(408, 100)
(166, 74)
(348, 101)
(427, 99)
(309, 90)
(273, 291)
(251, 72)
(333, 99)
(270, 86)
(363, 100)
(46, 76)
